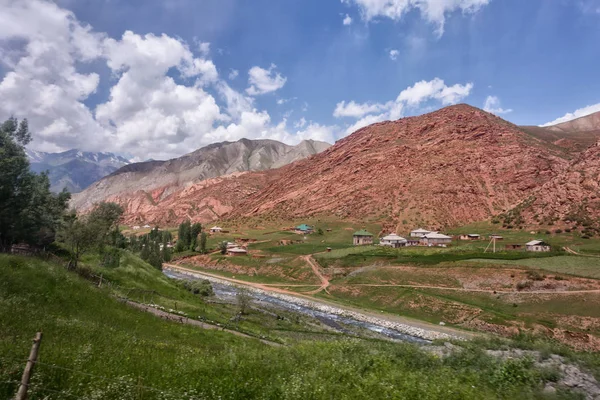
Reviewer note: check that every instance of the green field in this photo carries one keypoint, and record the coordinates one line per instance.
(574, 265)
(96, 347)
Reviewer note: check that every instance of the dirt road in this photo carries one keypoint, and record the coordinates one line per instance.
(480, 290)
(316, 269)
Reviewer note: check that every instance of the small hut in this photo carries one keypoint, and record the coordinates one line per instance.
(303, 229)
(362, 237)
(537, 246)
(237, 251)
(436, 239)
(419, 232)
(393, 240)
(470, 236)
(216, 229)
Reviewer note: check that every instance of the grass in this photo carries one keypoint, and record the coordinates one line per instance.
(573, 265)
(87, 331)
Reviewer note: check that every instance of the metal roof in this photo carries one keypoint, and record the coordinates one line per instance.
(535, 243)
(435, 235)
(393, 237)
(362, 232)
(420, 230)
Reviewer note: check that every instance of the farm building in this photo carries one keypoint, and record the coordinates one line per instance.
(362, 237)
(537, 245)
(237, 251)
(303, 229)
(393, 240)
(413, 242)
(136, 227)
(435, 239)
(470, 236)
(497, 237)
(419, 232)
(215, 229)
(146, 226)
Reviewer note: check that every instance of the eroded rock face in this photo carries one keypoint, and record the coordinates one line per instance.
(572, 196)
(171, 191)
(450, 167)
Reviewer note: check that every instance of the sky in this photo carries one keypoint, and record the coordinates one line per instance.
(161, 78)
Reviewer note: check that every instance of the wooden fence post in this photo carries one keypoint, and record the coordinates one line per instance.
(22, 393)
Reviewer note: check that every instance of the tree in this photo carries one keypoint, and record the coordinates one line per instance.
(184, 236)
(29, 212)
(92, 231)
(166, 253)
(243, 301)
(223, 247)
(319, 231)
(195, 230)
(203, 243)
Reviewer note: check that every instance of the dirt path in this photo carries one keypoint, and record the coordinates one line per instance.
(324, 281)
(187, 321)
(571, 251)
(370, 313)
(478, 290)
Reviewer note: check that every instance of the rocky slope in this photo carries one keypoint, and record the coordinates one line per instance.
(453, 166)
(574, 136)
(571, 199)
(171, 191)
(73, 169)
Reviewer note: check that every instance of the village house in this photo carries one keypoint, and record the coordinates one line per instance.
(497, 237)
(237, 251)
(215, 229)
(303, 229)
(362, 237)
(393, 240)
(146, 226)
(537, 246)
(470, 236)
(419, 232)
(435, 239)
(137, 227)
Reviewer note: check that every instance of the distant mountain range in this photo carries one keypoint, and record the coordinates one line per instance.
(73, 169)
(159, 191)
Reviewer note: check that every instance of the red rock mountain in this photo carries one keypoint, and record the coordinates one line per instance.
(572, 198)
(202, 185)
(575, 136)
(450, 167)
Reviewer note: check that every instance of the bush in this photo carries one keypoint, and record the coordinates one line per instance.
(558, 231)
(524, 285)
(535, 276)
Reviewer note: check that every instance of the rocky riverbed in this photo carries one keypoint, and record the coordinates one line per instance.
(391, 329)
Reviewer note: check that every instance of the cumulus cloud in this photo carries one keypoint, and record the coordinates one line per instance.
(411, 97)
(233, 74)
(356, 110)
(492, 105)
(159, 104)
(347, 20)
(394, 54)
(264, 81)
(582, 112)
(434, 11)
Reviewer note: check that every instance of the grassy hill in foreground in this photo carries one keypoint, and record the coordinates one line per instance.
(107, 350)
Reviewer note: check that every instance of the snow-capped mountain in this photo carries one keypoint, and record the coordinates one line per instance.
(74, 169)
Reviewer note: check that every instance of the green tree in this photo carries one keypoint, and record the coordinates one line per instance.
(223, 247)
(203, 243)
(92, 231)
(29, 212)
(184, 236)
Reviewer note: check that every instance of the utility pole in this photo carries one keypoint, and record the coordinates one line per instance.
(22, 393)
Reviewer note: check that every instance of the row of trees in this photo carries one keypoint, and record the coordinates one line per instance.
(191, 237)
(153, 247)
(29, 212)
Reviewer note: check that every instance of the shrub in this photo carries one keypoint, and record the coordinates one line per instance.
(524, 285)
(558, 231)
(535, 276)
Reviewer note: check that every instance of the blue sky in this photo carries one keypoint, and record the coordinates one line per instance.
(533, 61)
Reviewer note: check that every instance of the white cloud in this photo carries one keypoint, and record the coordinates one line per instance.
(347, 20)
(434, 11)
(159, 104)
(301, 123)
(582, 112)
(233, 74)
(204, 48)
(492, 105)
(412, 96)
(355, 110)
(394, 54)
(263, 81)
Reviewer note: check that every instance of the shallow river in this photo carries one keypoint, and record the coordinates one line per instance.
(227, 292)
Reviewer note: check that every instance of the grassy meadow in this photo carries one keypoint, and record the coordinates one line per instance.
(96, 347)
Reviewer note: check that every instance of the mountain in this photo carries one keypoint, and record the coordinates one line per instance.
(73, 169)
(576, 135)
(450, 167)
(571, 199)
(202, 185)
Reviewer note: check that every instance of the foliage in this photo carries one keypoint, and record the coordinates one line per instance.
(203, 238)
(223, 248)
(243, 299)
(92, 231)
(30, 213)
